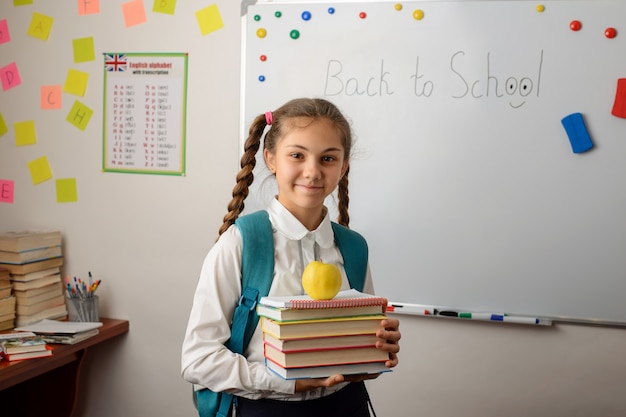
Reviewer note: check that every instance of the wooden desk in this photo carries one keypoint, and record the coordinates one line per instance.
(48, 386)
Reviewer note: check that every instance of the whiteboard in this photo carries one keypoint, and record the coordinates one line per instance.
(463, 179)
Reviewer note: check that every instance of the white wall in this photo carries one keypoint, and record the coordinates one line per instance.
(146, 237)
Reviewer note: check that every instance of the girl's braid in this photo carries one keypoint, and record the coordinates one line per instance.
(245, 175)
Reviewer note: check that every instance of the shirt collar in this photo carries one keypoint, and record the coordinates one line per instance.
(289, 226)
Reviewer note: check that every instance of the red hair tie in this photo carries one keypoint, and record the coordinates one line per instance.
(268, 118)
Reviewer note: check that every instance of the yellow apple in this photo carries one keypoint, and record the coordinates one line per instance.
(321, 281)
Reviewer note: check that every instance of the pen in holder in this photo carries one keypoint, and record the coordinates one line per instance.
(83, 308)
(82, 303)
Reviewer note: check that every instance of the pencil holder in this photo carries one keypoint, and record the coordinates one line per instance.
(83, 308)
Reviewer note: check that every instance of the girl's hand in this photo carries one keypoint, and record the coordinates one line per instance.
(389, 337)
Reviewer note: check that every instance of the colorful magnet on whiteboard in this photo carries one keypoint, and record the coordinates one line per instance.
(540, 8)
(257, 17)
(397, 6)
(261, 78)
(619, 105)
(575, 25)
(261, 33)
(418, 14)
(294, 34)
(278, 15)
(362, 15)
(306, 15)
(263, 58)
(610, 33)
(577, 132)
(331, 10)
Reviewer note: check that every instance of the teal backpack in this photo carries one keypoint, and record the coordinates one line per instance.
(256, 278)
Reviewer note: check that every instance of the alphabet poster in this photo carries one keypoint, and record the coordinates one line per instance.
(145, 99)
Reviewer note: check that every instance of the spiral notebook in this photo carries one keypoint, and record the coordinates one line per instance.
(347, 298)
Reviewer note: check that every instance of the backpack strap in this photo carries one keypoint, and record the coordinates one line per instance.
(257, 272)
(353, 248)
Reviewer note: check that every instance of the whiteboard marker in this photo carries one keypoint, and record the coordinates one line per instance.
(416, 309)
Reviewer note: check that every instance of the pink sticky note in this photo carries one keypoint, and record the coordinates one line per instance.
(88, 7)
(7, 191)
(5, 36)
(51, 97)
(10, 76)
(134, 13)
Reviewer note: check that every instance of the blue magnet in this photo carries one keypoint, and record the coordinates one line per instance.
(306, 15)
(577, 132)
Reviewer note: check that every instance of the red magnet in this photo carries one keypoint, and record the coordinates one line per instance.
(610, 33)
(619, 105)
(575, 25)
(362, 15)
(263, 58)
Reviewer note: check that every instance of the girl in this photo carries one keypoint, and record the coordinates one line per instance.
(307, 149)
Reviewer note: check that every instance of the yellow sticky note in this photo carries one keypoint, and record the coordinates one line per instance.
(3, 126)
(134, 13)
(83, 49)
(88, 7)
(40, 170)
(40, 26)
(25, 133)
(66, 190)
(164, 6)
(51, 97)
(79, 115)
(76, 82)
(209, 19)
(22, 2)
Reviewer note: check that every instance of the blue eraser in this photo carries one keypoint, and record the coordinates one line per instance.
(577, 132)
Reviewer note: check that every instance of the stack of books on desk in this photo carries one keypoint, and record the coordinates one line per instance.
(306, 338)
(23, 345)
(7, 301)
(34, 259)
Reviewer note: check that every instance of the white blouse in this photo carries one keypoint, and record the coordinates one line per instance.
(205, 359)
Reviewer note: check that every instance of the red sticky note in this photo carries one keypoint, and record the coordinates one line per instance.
(6, 191)
(10, 76)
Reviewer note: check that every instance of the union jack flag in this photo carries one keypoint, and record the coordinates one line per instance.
(115, 62)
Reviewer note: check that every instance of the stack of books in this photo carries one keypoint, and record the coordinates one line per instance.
(305, 338)
(33, 259)
(23, 345)
(7, 301)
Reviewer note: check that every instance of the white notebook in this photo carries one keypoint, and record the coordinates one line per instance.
(48, 326)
